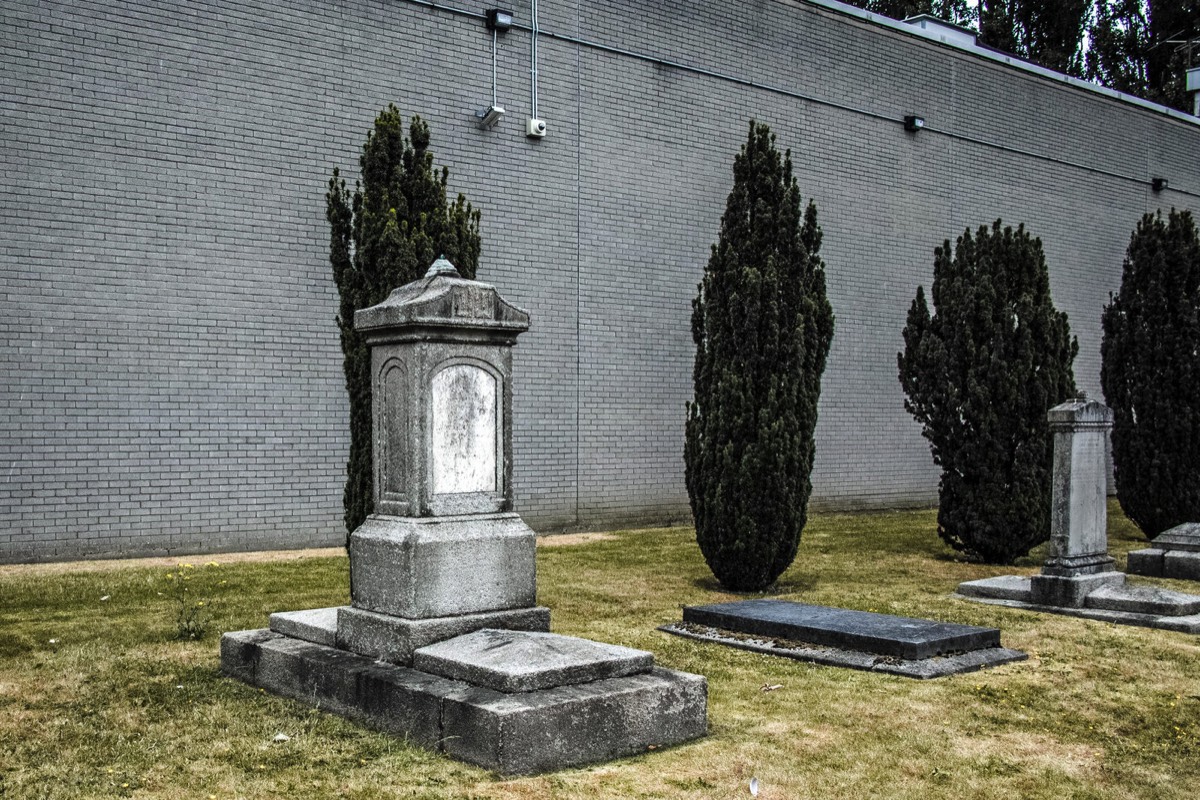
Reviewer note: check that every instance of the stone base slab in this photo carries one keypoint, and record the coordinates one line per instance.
(1182, 537)
(395, 639)
(1001, 587)
(511, 733)
(1127, 605)
(921, 668)
(525, 661)
(317, 625)
(1144, 600)
(1158, 563)
(1070, 590)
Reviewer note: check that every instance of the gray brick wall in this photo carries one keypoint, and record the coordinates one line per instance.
(171, 373)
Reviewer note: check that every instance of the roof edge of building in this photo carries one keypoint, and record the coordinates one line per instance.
(1000, 57)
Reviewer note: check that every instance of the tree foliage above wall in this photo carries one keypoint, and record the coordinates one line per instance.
(384, 235)
(980, 375)
(1141, 47)
(960, 12)
(762, 327)
(1046, 32)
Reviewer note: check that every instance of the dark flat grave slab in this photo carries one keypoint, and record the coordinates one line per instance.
(525, 661)
(920, 668)
(861, 631)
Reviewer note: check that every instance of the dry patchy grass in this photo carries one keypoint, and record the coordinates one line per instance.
(113, 706)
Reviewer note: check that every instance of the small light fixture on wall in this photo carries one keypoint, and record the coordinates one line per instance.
(1158, 184)
(913, 123)
(489, 116)
(499, 20)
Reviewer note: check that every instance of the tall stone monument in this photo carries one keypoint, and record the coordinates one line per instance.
(1079, 577)
(1079, 561)
(443, 641)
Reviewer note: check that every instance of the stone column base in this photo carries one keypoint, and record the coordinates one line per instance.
(1069, 591)
(394, 639)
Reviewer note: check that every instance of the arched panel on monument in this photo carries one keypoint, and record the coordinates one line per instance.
(466, 436)
(391, 437)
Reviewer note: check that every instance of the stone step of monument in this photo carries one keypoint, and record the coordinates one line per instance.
(317, 625)
(1001, 587)
(1144, 600)
(525, 661)
(1184, 537)
(864, 631)
(535, 731)
(1157, 562)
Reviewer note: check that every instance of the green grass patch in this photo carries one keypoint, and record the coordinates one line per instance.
(99, 697)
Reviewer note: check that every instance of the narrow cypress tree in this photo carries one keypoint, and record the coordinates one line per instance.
(1151, 374)
(980, 375)
(762, 328)
(383, 236)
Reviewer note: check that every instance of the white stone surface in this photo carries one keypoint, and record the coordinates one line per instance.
(1086, 523)
(464, 430)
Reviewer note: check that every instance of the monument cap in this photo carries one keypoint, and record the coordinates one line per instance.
(443, 299)
(1080, 412)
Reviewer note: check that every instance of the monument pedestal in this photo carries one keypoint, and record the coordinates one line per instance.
(1067, 580)
(1070, 591)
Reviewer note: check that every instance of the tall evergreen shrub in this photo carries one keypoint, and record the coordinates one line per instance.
(384, 235)
(1151, 374)
(762, 328)
(979, 376)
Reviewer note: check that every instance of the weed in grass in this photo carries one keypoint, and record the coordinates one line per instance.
(191, 592)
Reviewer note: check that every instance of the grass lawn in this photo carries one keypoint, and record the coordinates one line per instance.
(98, 699)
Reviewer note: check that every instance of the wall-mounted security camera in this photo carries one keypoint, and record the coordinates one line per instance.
(536, 128)
(489, 116)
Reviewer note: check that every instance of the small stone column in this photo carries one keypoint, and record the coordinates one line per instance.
(1079, 561)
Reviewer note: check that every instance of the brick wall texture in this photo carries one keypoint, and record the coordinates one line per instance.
(171, 376)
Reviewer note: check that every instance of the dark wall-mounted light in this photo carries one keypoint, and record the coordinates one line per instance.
(498, 19)
(1158, 184)
(912, 123)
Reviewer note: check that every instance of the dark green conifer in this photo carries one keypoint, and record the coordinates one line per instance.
(762, 327)
(980, 375)
(383, 236)
(1151, 374)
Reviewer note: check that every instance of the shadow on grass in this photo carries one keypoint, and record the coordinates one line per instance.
(788, 586)
(957, 558)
